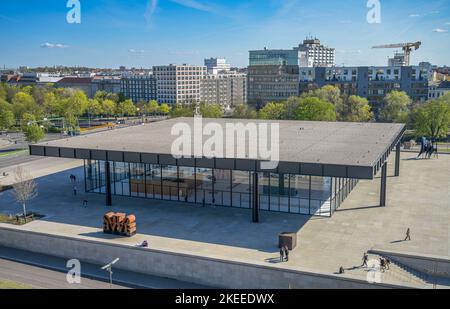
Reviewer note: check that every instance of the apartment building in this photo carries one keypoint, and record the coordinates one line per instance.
(139, 87)
(372, 83)
(228, 89)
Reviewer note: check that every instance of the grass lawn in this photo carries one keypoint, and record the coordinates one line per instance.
(10, 153)
(10, 285)
(13, 220)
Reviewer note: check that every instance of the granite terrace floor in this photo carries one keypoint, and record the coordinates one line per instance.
(419, 199)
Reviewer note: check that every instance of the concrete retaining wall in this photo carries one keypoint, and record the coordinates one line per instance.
(431, 265)
(201, 270)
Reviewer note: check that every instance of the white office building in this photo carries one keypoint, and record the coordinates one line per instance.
(313, 54)
(178, 84)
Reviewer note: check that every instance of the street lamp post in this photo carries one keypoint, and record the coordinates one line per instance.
(108, 268)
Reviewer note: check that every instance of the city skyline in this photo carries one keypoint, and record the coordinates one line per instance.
(153, 32)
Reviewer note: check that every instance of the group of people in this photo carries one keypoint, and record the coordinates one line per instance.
(284, 254)
(385, 263)
(427, 149)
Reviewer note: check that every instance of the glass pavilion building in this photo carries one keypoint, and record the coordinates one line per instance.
(320, 164)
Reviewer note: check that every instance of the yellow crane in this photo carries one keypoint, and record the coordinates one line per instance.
(407, 48)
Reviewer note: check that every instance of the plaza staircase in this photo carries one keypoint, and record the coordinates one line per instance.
(400, 274)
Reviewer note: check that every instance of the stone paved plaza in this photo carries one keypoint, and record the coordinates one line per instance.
(418, 199)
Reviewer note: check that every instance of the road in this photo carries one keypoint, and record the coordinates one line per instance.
(42, 278)
(44, 271)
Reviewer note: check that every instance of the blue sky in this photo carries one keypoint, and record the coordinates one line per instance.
(142, 33)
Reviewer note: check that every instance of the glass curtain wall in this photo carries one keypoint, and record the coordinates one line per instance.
(289, 193)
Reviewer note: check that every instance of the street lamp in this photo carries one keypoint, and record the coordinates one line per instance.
(108, 268)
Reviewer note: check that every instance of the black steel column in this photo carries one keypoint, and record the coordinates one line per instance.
(383, 185)
(255, 205)
(397, 160)
(108, 183)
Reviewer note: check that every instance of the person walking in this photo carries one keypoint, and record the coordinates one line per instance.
(408, 234)
(388, 263)
(75, 189)
(365, 259)
(382, 265)
(286, 253)
(281, 254)
(85, 203)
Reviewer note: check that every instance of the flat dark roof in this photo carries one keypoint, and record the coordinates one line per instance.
(339, 149)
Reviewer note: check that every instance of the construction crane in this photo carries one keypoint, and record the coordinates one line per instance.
(407, 49)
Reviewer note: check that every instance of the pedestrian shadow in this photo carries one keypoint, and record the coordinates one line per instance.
(353, 268)
(273, 261)
(397, 241)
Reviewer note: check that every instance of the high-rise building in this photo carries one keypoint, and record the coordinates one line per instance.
(313, 54)
(178, 84)
(217, 65)
(139, 87)
(228, 89)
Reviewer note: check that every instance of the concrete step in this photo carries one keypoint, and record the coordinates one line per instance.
(402, 273)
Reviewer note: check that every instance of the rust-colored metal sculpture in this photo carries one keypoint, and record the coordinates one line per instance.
(119, 224)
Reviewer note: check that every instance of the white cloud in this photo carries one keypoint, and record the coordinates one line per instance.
(448, 23)
(150, 11)
(414, 15)
(136, 51)
(193, 4)
(439, 30)
(52, 45)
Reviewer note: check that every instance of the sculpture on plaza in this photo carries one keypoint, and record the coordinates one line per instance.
(119, 224)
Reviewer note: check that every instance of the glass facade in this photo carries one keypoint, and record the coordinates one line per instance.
(299, 194)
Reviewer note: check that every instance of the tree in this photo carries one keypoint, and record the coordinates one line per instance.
(273, 111)
(182, 111)
(126, 108)
(244, 111)
(3, 93)
(6, 119)
(329, 93)
(109, 107)
(315, 109)
(94, 108)
(24, 103)
(34, 133)
(396, 107)
(27, 119)
(25, 188)
(164, 109)
(151, 107)
(100, 96)
(432, 119)
(355, 109)
(52, 105)
(76, 105)
(291, 106)
(211, 110)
